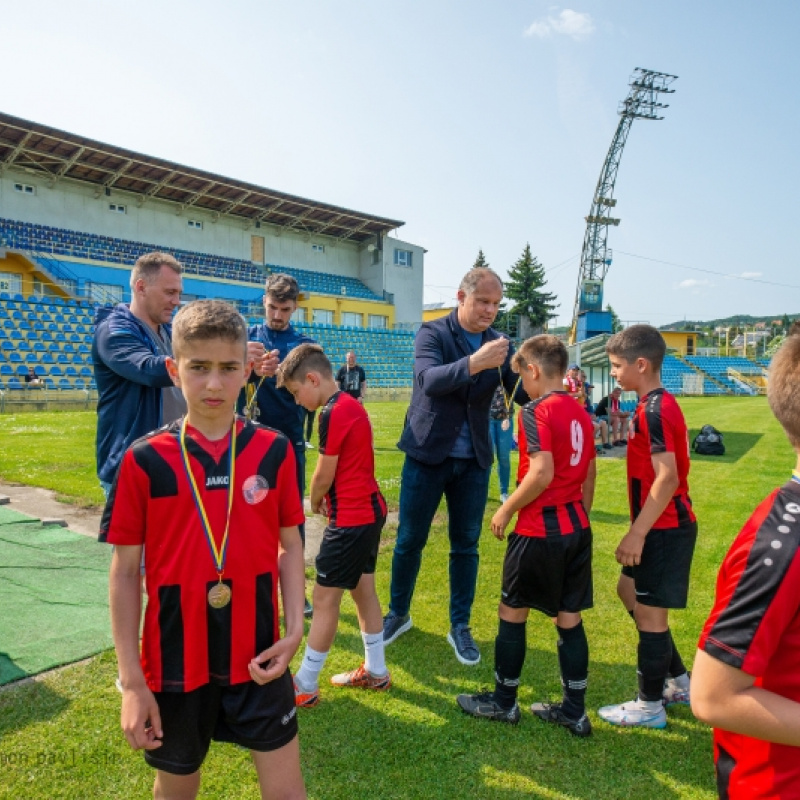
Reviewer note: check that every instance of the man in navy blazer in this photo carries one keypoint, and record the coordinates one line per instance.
(459, 360)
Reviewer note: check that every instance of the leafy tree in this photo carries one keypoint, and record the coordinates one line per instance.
(616, 324)
(787, 323)
(480, 261)
(525, 279)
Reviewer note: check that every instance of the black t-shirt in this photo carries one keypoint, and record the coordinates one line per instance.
(351, 380)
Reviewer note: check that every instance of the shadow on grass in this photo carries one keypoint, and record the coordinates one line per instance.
(27, 704)
(422, 745)
(737, 444)
(607, 517)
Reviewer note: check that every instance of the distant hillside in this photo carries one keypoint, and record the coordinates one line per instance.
(728, 322)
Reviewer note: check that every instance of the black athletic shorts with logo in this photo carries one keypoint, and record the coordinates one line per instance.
(550, 573)
(348, 553)
(661, 578)
(260, 718)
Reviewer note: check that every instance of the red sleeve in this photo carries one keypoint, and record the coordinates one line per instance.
(128, 518)
(290, 507)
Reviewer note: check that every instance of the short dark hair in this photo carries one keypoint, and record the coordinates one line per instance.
(149, 265)
(282, 287)
(638, 341)
(784, 399)
(305, 357)
(545, 350)
(202, 320)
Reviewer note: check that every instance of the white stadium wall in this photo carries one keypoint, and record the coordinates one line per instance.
(75, 206)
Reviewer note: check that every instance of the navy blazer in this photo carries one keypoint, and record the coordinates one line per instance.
(445, 394)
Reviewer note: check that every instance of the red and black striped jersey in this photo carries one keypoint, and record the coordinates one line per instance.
(754, 626)
(186, 643)
(555, 423)
(345, 431)
(659, 427)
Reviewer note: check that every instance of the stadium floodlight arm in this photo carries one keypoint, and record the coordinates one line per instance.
(645, 87)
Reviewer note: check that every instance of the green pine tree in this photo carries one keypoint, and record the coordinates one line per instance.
(525, 280)
(616, 324)
(480, 261)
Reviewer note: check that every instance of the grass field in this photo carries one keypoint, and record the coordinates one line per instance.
(60, 737)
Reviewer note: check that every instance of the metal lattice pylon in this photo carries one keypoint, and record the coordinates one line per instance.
(641, 103)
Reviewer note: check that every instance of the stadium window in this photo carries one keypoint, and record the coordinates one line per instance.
(322, 316)
(318, 248)
(24, 188)
(402, 258)
(351, 319)
(10, 282)
(195, 223)
(299, 314)
(117, 209)
(378, 321)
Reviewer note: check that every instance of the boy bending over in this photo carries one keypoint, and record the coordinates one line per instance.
(344, 488)
(213, 500)
(548, 562)
(745, 680)
(656, 552)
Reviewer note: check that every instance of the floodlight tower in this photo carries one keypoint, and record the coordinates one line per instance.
(588, 317)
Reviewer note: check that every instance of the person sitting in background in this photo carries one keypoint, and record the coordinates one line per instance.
(31, 378)
(610, 409)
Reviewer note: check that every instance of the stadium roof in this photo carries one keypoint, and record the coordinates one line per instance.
(56, 155)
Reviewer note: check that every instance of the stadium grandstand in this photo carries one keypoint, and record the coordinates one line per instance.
(76, 213)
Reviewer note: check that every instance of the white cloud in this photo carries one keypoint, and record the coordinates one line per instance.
(751, 274)
(693, 283)
(570, 23)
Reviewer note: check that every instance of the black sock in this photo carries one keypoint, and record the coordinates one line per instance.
(573, 658)
(655, 653)
(509, 656)
(676, 665)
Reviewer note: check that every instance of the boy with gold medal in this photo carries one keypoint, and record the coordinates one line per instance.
(213, 664)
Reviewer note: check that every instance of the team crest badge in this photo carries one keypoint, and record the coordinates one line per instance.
(255, 489)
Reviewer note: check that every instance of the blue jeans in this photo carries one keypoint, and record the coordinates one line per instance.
(501, 442)
(464, 486)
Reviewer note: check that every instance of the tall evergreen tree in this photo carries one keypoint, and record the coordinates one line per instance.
(616, 324)
(525, 279)
(480, 261)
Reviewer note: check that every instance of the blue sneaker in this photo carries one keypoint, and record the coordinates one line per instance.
(635, 714)
(394, 626)
(462, 642)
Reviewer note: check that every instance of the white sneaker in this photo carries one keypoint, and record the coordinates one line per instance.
(635, 714)
(309, 446)
(675, 694)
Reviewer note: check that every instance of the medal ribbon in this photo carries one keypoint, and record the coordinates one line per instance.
(508, 399)
(795, 476)
(218, 554)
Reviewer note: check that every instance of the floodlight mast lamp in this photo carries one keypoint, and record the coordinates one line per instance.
(641, 103)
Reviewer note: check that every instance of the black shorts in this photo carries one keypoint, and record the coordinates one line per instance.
(261, 718)
(661, 578)
(551, 574)
(348, 553)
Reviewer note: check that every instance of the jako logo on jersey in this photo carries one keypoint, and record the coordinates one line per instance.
(255, 489)
(287, 718)
(216, 480)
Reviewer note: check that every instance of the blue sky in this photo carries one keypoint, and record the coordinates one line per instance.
(481, 124)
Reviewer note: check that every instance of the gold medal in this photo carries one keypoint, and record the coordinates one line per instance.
(505, 424)
(219, 595)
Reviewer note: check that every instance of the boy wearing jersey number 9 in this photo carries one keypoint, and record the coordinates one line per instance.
(548, 562)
